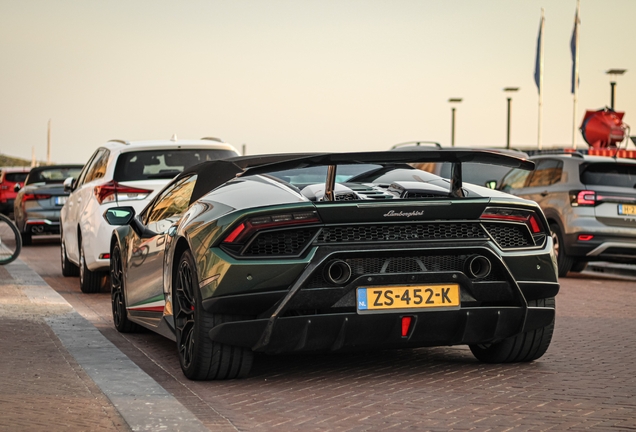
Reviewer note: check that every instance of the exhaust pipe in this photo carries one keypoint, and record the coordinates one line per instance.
(36, 229)
(338, 272)
(477, 266)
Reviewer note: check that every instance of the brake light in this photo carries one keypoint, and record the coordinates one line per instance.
(246, 228)
(113, 191)
(585, 237)
(31, 197)
(583, 198)
(528, 217)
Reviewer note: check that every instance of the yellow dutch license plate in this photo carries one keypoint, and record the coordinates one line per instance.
(626, 209)
(408, 297)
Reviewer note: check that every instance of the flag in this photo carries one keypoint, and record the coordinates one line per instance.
(537, 65)
(574, 49)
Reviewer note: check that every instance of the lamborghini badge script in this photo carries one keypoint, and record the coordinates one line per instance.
(392, 213)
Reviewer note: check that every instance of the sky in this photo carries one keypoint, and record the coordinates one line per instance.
(312, 75)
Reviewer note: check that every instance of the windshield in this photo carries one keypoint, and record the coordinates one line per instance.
(53, 174)
(16, 177)
(609, 174)
(163, 164)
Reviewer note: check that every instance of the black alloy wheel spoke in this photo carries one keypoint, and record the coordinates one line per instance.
(117, 295)
(184, 318)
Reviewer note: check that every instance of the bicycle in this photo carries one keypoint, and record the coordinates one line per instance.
(10, 240)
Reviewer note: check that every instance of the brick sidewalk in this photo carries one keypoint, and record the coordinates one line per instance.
(58, 372)
(41, 384)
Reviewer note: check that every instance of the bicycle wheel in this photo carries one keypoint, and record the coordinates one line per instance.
(10, 240)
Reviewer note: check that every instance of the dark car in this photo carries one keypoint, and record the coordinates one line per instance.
(37, 205)
(590, 204)
(9, 177)
(334, 252)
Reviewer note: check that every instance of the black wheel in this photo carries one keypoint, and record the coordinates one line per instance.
(118, 294)
(27, 239)
(10, 240)
(90, 281)
(524, 347)
(564, 262)
(199, 356)
(68, 268)
(578, 266)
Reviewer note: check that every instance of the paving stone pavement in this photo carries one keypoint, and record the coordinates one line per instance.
(59, 373)
(586, 380)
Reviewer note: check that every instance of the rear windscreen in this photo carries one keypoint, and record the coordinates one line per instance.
(53, 174)
(162, 164)
(15, 177)
(609, 174)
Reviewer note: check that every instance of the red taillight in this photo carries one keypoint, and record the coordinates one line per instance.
(528, 217)
(30, 197)
(245, 229)
(583, 198)
(406, 325)
(113, 191)
(585, 237)
(104, 256)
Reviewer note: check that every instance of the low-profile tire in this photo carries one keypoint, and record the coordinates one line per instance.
(564, 262)
(578, 266)
(90, 281)
(524, 347)
(118, 294)
(27, 239)
(200, 357)
(68, 268)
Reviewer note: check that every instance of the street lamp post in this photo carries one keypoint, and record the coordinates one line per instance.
(453, 101)
(509, 90)
(613, 73)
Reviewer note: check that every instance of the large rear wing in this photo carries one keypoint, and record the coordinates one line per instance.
(215, 173)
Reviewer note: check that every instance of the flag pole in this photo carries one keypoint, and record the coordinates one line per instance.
(540, 54)
(575, 76)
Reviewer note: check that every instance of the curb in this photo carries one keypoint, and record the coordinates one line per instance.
(139, 399)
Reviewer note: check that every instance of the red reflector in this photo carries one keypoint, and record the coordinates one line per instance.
(104, 256)
(585, 237)
(234, 234)
(406, 325)
(534, 225)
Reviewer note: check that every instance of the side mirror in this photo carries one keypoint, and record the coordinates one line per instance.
(118, 216)
(16, 187)
(491, 184)
(68, 184)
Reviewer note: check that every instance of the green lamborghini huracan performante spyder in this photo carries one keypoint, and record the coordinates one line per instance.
(334, 252)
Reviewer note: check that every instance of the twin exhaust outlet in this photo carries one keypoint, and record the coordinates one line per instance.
(338, 272)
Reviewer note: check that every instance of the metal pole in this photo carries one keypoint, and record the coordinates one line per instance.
(453, 127)
(508, 128)
(613, 85)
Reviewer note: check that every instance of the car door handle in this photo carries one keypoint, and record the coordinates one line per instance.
(544, 193)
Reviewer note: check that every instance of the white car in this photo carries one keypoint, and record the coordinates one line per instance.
(120, 173)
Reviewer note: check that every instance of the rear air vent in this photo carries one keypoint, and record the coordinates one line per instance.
(400, 232)
(509, 235)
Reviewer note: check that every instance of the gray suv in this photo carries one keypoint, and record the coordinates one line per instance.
(590, 204)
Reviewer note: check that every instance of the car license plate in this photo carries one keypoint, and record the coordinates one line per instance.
(408, 297)
(626, 209)
(60, 200)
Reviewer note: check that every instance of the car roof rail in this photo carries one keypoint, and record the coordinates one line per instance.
(212, 139)
(120, 141)
(417, 143)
